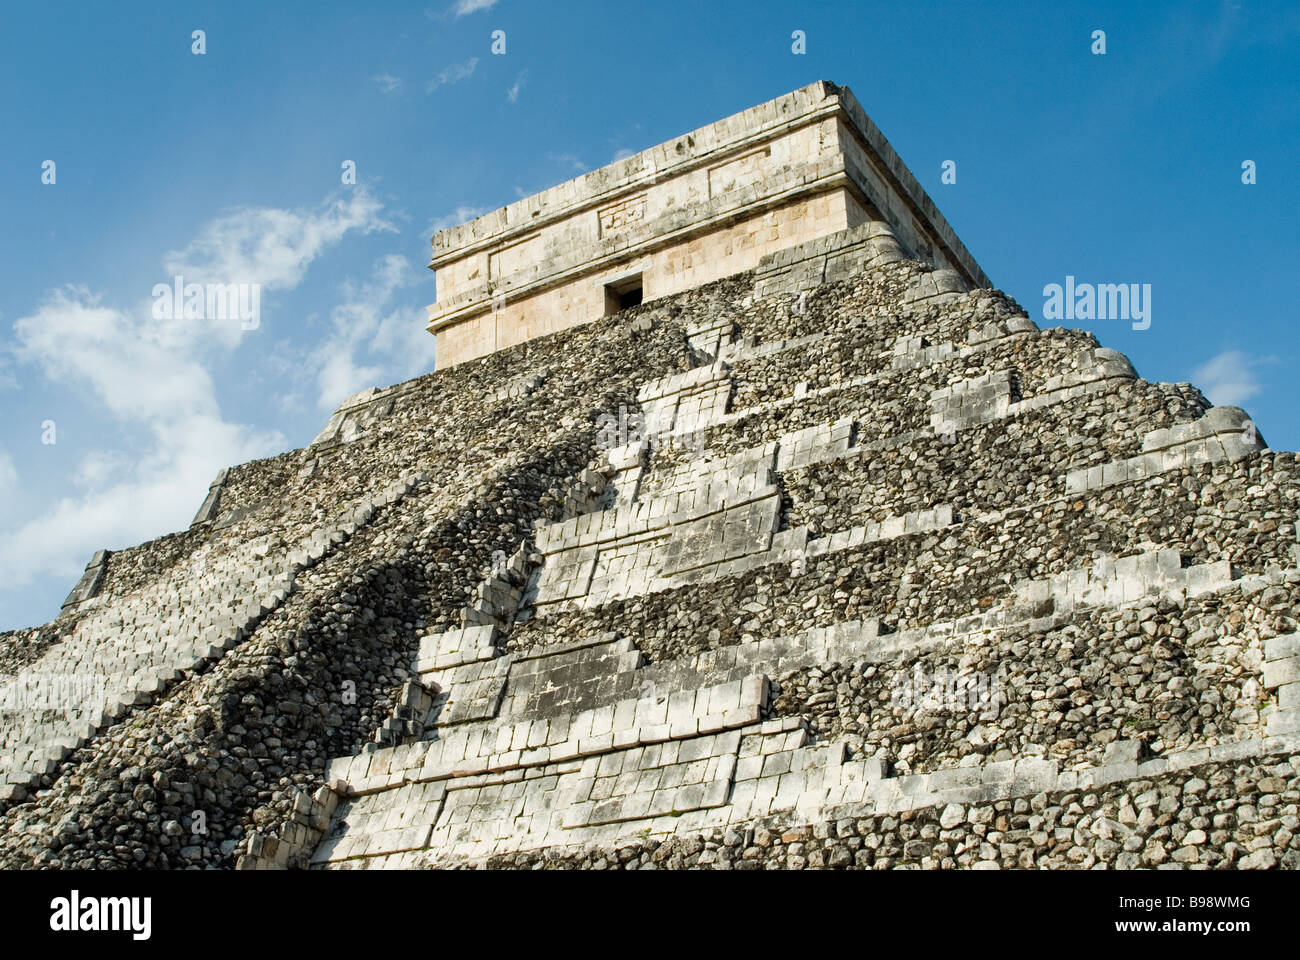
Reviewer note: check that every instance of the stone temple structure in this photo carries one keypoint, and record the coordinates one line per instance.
(711, 204)
(743, 525)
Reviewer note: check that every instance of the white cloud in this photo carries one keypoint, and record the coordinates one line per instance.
(1230, 378)
(570, 161)
(161, 493)
(152, 383)
(136, 373)
(373, 342)
(100, 468)
(455, 218)
(153, 377)
(466, 7)
(388, 83)
(8, 479)
(270, 246)
(453, 74)
(623, 155)
(10, 490)
(8, 380)
(513, 93)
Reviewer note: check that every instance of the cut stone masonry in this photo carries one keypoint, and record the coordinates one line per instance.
(1223, 434)
(211, 505)
(122, 657)
(358, 414)
(737, 533)
(89, 584)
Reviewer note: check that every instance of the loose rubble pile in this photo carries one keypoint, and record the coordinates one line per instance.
(784, 572)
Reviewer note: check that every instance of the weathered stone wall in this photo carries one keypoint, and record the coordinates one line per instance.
(1231, 816)
(273, 708)
(731, 248)
(830, 563)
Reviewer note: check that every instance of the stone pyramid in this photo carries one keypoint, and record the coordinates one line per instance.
(832, 559)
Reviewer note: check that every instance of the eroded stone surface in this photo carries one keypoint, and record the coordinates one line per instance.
(834, 563)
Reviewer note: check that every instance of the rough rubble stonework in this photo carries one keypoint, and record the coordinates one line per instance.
(832, 563)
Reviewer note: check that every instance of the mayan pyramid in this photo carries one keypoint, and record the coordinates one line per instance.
(742, 525)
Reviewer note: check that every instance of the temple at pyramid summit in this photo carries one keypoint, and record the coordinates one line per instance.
(707, 205)
(742, 525)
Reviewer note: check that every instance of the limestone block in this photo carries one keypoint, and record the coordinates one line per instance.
(1281, 671)
(1034, 776)
(92, 580)
(455, 647)
(212, 501)
(1124, 751)
(1282, 647)
(937, 286)
(1288, 696)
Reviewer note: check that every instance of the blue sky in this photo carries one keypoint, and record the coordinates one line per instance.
(1122, 167)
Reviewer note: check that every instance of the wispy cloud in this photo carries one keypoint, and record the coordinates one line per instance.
(271, 246)
(8, 475)
(457, 216)
(452, 74)
(513, 93)
(388, 83)
(1195, 38)
(268, 246)
(464, 8)
(373, 341)
(154, 377)
(8, 484)
(8, 380)
(1230, 378)
(570, 161)
(150, 381)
